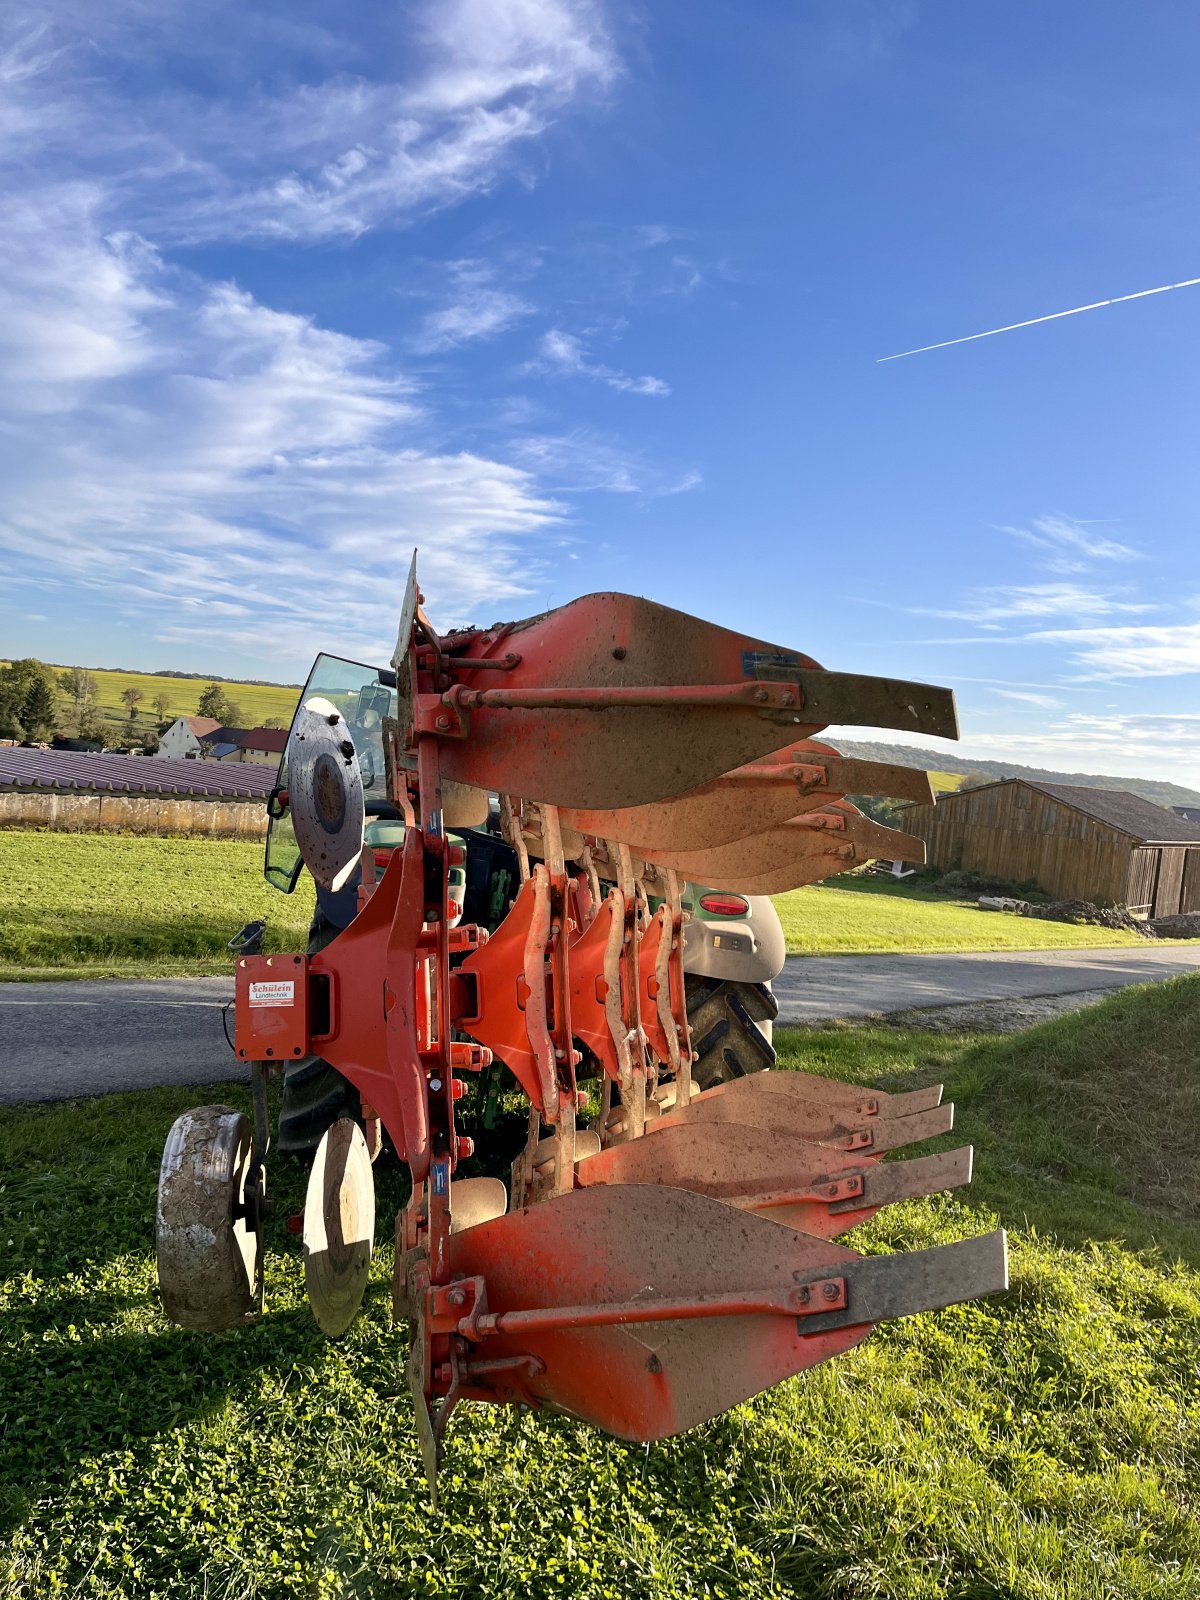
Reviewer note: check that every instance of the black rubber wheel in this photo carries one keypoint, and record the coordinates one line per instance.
(314, 1094)
(727, 1020)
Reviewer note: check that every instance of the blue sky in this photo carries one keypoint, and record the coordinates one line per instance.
(579, 295)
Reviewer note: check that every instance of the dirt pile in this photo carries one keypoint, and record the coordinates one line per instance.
(1186, 926)
(1083, 911)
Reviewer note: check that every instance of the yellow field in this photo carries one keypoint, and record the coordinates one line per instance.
(946, 782)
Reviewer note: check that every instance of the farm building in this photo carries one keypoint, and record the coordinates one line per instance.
(182, 738)
(1188, 813)
(70, 789)
(1102, 845)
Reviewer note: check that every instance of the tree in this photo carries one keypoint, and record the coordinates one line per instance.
(132, 698)
(39, 710)
(80, 686)
(215, 703)
(162, 707)
(28, 705)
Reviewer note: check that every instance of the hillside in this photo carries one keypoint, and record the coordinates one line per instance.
(256, 702)
(1156, 790)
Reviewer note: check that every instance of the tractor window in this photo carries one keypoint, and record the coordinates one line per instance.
(364, 696)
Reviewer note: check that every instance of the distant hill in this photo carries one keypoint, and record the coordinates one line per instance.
(1156, 790)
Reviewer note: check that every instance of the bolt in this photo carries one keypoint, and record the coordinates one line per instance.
(457, 1297)
(830, 1291)
(653, 1364)
(443, 724)
(787, 699)
(619, 653)
(760, 695)
(803, 1296)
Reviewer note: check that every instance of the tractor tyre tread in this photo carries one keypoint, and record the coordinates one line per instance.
(726, 1025)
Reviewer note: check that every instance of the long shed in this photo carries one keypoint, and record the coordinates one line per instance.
(1103, 845)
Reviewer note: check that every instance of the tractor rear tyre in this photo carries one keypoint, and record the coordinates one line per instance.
(314, 1094)
(730, 1025)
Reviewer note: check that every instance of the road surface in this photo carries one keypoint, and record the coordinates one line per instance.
(59, 1040)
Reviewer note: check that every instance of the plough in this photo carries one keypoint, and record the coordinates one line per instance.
(676, 1255)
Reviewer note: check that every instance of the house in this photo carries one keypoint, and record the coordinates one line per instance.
(1102, 845)
(263, 746)
(1188, 813)
(182, 738)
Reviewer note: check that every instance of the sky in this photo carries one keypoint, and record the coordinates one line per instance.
(577, 295)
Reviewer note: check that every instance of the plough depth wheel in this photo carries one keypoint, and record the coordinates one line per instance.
(209, 1231)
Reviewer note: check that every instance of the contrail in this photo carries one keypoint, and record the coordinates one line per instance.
(1188, 283)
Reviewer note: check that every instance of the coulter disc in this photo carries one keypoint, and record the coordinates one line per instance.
(339, 1227)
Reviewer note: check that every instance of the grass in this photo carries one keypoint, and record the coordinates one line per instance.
(1040, 1446)
(124, 905)
(861, 915)
(86, 904)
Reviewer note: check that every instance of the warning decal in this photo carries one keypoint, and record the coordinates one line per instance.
(280, 993)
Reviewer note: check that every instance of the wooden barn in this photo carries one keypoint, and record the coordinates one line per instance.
(1078, 844)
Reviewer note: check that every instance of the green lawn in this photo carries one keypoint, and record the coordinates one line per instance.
(91, 904)
(865, 915)
(1040, 1446)
(120, 905)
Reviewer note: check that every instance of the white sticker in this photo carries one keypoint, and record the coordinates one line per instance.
(281, 993)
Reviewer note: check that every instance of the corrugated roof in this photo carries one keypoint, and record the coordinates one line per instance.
(80, 772)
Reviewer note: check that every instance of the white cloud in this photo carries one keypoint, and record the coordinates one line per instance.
(564, 354)
(462, 87)
(229, 472)
(1143, 652)
(1037, 600)
(477, 309)
(1068, 546)
(1027, 697)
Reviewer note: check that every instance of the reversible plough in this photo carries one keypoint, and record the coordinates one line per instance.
(676, 1256)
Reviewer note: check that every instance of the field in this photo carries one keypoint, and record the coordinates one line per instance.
(85, 904)
(859, 915)
(256, 701)
(1044, 1445)
(946, 782)
(93, 905)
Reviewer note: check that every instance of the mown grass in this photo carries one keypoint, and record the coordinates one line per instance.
(1040, 1446)
(859, 915)
(123, 904)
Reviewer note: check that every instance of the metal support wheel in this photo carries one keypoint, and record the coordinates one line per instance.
(209, 1223)
(339, 1227)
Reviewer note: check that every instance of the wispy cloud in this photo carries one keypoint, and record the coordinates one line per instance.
(1067, 545)
(1024, 601)
(221, 470)
(1141, 652)
(477, 308)
(564, 354)
(463, 86)
(1026, 697)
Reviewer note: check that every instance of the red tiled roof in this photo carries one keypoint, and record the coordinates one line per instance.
(201, 725)
(81, 772)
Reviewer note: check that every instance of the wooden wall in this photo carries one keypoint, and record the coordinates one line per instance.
(1017, 833)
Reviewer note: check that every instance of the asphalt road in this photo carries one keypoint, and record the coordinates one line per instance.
(59, 1040)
